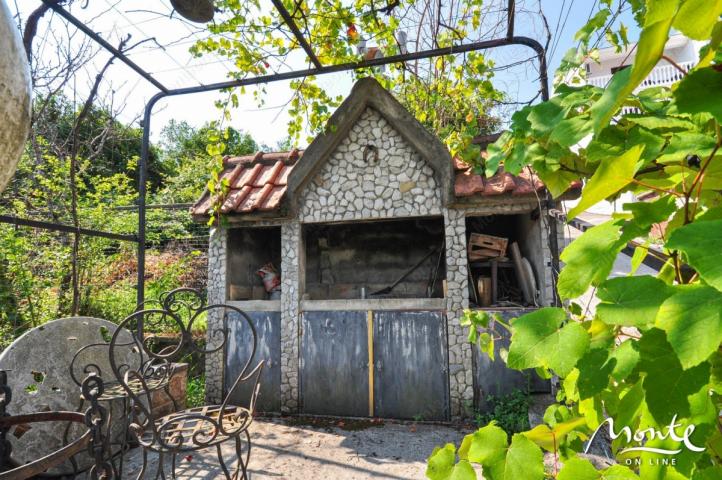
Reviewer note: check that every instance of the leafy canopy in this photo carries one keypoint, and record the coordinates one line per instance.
(652, 350)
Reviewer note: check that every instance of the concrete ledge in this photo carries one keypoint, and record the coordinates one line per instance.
(375, 304)
(256, 305)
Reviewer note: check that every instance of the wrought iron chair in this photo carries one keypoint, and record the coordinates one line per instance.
(93, 358)
(196, 428)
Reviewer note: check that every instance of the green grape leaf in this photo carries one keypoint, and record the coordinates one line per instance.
(666, 384)
(693, 93)
(626, 358)
(650, 47)
(550, 438)
(711, 473)
(545, 116)
(687, 143)
(612, 175)
(538, 341)
(590, 258)
(692, 318)
(648, 213)
(697, 17)
(700, 241)
(570, 131)
(487, 446)
(578, 469)
(440, 464)
(619, 472)
(523, 460)
(595, 369)
(631, 301)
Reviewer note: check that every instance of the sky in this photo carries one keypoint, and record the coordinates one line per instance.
(267, 124)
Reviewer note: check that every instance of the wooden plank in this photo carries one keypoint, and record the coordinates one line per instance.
(521, 274)
(494, 281)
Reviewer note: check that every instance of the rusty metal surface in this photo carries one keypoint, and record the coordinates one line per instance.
(411, 366)
(53, 459)
(495, 378)
(334, 363)
(268, 328)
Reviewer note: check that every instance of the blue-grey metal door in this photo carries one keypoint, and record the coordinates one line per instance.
(494, 377)
(268, 329)
(411, 365)
(334, 363)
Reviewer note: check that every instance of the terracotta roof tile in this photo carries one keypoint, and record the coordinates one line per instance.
(258, 182)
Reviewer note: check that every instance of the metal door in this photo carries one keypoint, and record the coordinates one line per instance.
(410, 365)
(268, 329)
(334, 363)
(494, 377)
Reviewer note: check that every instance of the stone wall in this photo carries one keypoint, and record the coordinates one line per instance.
(461, 381)
(291, 283)
(392, 181)
(217, 259)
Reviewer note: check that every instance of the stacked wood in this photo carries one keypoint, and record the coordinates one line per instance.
(483, 247)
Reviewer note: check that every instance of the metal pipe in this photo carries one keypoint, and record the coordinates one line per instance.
(296, 32)
(510, 18)
(60, 227)
(374, 62)
(142, 175)
(103, 43)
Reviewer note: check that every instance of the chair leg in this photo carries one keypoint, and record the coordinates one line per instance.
(223, 464)
(144, 466)
(160, 473)
(172, 465)
(241, 466)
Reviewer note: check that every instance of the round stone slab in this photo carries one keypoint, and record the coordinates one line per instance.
(15, 88)
(38, 371)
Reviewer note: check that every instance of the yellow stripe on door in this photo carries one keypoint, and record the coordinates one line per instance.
(370, 338)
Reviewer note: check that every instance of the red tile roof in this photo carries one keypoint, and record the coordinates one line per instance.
(468, 183)
(258, 182)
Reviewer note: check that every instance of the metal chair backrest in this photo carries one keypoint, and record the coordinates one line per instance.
(180, 311)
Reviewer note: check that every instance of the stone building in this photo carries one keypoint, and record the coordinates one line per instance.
(368, 228)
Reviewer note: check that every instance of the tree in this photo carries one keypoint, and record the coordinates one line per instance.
(452, 95)
(185, 153)
(649, 359)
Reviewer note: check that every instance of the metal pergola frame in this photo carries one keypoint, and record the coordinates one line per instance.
(318, 69)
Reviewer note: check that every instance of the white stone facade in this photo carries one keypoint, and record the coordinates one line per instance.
(373, 174)
(461, 382)
(217, 257)
(291, 281)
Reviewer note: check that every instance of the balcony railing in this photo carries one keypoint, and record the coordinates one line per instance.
(663, 75)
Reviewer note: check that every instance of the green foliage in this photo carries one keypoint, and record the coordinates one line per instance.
(650, 354)
(452, 95)
(196, 392)
(510, 412)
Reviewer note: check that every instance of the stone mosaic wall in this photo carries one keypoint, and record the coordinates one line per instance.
(461, 381)
(291, 248)
(392, 181)
(216, 294)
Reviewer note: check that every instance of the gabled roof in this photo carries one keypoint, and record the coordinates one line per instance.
(366, 93)
(258, 183)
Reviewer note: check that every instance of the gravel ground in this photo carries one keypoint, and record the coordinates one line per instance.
(310, 449)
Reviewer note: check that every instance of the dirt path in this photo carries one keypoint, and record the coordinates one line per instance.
(325, 449)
